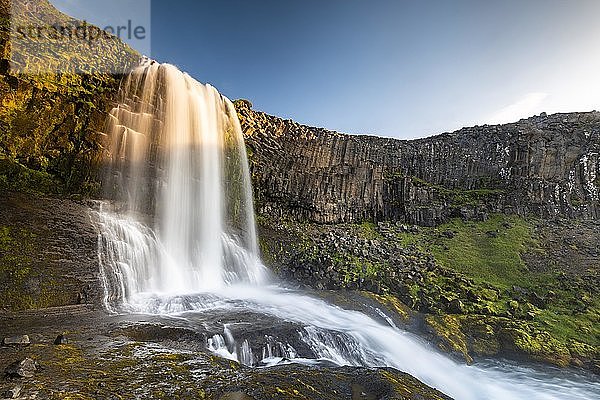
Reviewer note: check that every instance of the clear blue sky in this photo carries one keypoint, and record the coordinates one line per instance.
(388, 67)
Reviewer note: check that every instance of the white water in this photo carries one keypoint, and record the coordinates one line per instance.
(346, 337)
(178, 156)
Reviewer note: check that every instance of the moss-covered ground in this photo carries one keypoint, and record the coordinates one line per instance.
(490, 253)
(475, 281)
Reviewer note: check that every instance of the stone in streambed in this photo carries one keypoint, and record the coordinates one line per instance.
(61, 339)
(12, 393)
(21, 369)
(21, 340)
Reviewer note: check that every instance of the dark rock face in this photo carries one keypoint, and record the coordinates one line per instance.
(545, 166)
(48, 253)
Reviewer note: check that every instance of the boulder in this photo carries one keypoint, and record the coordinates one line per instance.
(12, 393)
(24, 368)
(20, 340)
(61, 339)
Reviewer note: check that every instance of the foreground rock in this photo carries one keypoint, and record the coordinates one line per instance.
(21, 340)
(21, 369)
(13, 392)
(106, 359)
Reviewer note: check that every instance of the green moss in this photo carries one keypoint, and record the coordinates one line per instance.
(540, 345)
(566, 325)
(482, 338)
(356, 269)
(448, 329)
(17, 177)
(368, 230)
(49, 122)
(492, 336)
(578, 349)
(392, 302)
(68, 355)
(488, 251)
(27, 283)
(458, 197)
(16, 267)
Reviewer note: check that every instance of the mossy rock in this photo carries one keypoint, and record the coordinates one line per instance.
(105, 368)
(447, 329)
(50, 122)
(425, 275)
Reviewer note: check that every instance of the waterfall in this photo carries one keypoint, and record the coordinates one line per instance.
(179, 238)
(178, 172)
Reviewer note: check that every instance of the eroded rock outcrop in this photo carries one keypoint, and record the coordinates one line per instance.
(545, 166)
(51, 122)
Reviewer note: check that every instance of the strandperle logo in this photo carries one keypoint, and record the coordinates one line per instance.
(83, 31)
(83, 36)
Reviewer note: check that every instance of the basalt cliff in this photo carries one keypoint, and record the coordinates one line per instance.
(547, 166)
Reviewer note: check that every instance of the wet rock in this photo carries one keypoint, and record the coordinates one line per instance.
(456, 307)
(21, 369)
(360, 393)
(61, 339)
(235, 396)
(12, 393)
(20, 340)
(55, 236)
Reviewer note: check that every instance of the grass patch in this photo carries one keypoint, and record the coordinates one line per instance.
(368, 230)
(488, 251)
(566, 324)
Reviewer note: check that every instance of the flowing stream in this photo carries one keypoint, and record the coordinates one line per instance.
(179, 240)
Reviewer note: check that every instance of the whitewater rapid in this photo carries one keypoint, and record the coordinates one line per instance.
(346, 337)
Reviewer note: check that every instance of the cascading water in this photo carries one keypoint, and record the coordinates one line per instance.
(177, 155)
(179, 238)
